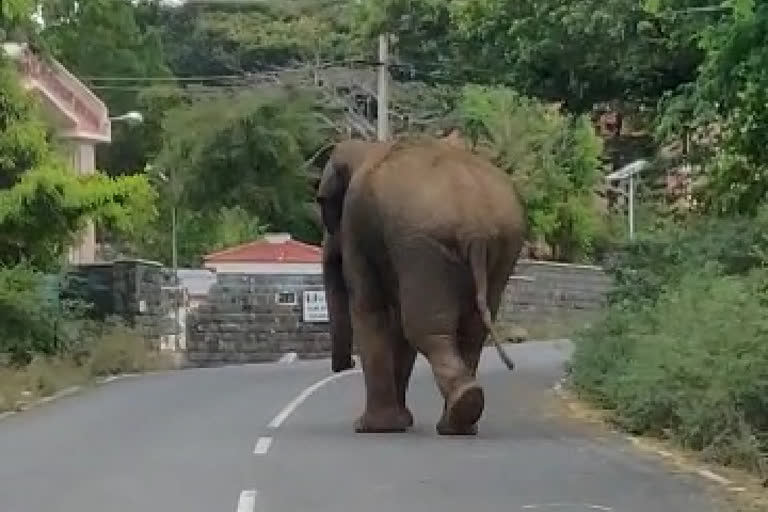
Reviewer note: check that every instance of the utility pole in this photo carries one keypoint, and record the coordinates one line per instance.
(383, 92)
(175, 259)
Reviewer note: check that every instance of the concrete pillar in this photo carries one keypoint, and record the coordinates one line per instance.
(82, 159)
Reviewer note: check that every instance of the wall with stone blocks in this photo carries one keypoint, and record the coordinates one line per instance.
(242, 320)
(135, 290)
(542, 289)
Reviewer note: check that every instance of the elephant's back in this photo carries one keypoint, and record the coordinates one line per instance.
(433, 187)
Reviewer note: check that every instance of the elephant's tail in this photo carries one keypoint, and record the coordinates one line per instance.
(478, 260)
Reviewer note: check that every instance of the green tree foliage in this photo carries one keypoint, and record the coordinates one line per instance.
(235, 37)
(240, 159)
(112, 39)
(553, 158)
(725, 109)
(579, 52)
(43, 205)
(42, 202)
(198, 233)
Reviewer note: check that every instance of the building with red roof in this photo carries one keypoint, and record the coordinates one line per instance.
(275, 253)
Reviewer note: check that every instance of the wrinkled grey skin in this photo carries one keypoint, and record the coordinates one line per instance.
(420, 240)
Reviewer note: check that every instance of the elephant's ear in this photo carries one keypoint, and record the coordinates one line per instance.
(331, 192)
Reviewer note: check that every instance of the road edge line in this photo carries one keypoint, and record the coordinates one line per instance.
(703, 472)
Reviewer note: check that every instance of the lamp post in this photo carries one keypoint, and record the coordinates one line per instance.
(174, 247)
(628, 172)
(131, 118)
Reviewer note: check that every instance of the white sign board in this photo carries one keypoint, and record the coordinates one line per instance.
(315, 308)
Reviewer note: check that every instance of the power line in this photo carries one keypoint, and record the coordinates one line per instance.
(407, 67)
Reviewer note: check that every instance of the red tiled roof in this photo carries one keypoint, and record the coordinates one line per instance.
(268, 251)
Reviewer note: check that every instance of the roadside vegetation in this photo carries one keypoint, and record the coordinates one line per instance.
(681, 351)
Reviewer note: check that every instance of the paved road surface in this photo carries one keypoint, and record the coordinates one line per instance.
(190, 442)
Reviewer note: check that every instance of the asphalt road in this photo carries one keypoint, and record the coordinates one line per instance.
(263, 438)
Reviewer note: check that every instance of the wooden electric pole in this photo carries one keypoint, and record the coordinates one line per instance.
(383, 92)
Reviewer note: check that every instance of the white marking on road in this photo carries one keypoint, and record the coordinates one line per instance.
(262, 445)
(713, 476)
(571, 505)
(4, 415)
(288, 358)
(288, 409)
(247, 501)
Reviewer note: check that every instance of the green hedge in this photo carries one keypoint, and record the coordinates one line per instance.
(682, 351)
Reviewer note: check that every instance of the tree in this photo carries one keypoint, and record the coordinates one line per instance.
(111, 39)
(240, 157)
(43, 204)
(232, 38)
(724, 110)
(553, 159)
(579, 52)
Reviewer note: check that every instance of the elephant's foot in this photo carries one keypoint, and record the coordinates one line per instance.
(464, 408)
(446, 429)
(381, 422)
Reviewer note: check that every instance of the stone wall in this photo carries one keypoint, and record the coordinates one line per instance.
(135, 290)
(242, 320)
(540, 290)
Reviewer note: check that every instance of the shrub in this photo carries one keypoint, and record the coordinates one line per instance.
(552, 157)
(644, 268)
(122, 350)
(34, 320)
(690, 366)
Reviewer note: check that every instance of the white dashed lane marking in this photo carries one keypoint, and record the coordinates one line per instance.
(247, 501)
(262, 446)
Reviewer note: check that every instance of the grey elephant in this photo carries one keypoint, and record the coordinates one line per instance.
(420, 239)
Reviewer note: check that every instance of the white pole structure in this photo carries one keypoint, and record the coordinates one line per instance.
(628, 172)
(383, 92)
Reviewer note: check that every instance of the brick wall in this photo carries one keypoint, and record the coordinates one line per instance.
(242, 321)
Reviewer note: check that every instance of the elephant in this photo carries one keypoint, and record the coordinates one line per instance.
(419, 241)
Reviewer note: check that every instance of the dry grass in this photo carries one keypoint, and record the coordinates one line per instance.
(558, 325)
(118, 351)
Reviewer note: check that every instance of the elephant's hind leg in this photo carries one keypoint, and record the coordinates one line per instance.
(430, 312)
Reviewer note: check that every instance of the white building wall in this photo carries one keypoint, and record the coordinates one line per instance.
(265, 268)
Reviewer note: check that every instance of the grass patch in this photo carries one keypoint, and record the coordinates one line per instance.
(117, 350)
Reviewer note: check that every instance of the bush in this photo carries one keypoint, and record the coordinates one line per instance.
(658, 260)
(121, 350)
(35, 320)
(690, 366)
(552, 157)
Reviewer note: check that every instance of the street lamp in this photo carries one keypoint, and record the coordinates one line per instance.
(628, 172)
(131, 118)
